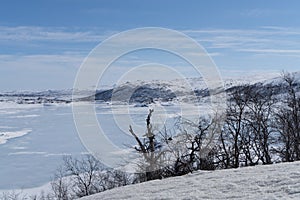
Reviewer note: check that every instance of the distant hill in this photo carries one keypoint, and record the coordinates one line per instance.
(180, 90)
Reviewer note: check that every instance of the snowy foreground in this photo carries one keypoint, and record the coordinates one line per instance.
(278, 181)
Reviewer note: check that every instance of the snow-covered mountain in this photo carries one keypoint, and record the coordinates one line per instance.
(141, 92)
(181, 90)
(278, 181)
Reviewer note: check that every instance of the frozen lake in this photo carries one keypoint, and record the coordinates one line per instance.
(33, 138)
(30, 160)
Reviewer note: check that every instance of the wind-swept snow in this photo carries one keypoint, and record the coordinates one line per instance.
(278, 181)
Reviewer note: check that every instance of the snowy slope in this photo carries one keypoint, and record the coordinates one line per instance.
(278, 181)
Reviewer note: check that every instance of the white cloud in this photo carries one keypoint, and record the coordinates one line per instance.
(35, 33)
(267, 39)
(272, 37)
(277, 51)
(40, 61)
(28, 153)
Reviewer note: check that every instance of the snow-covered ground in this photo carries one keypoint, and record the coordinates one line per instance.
(278, 181)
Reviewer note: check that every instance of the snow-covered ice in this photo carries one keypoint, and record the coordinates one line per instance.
(4, 136)
(33, 139)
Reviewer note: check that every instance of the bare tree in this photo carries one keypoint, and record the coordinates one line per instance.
(149, 150)
(259, 119)
(288, 120)
(231, 136)
(199, 153)
(60, 185)
(119, 178)
(85, 175)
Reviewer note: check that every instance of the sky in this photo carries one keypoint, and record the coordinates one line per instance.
(43, 43)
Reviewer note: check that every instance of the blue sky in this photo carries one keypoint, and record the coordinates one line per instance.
(43, 43)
